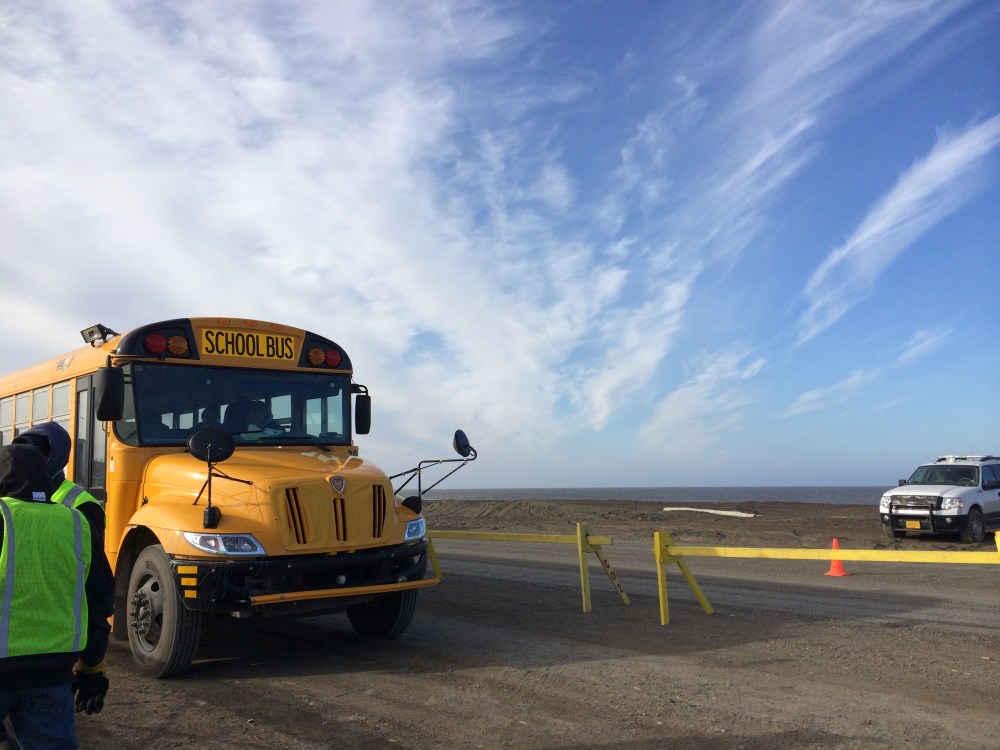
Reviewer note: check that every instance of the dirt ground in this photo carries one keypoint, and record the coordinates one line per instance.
(500, 655)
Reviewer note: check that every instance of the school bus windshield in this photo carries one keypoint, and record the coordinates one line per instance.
(165, 403)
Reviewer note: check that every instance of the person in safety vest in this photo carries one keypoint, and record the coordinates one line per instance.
(90, 684)
(44, 563)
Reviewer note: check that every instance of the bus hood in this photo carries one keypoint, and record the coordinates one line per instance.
(291, 499)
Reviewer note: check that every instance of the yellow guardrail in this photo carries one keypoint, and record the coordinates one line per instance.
(586, 543)
(667, 552)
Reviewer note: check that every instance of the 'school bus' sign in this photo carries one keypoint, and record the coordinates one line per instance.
(229, 343)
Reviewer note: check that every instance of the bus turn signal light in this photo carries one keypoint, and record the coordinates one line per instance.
(177, 345)
(318, 357)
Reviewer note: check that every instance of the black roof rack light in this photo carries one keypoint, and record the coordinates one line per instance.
(98, 332)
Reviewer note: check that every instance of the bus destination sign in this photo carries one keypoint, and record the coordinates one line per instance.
(227, 343)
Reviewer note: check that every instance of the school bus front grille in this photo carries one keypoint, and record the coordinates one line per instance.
(378, 510)
(297, 521)
(311, 517)
(340, 519)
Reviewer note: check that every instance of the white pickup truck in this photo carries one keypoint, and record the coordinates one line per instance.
(954, 494)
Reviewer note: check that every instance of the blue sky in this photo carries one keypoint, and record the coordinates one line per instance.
(619, 243)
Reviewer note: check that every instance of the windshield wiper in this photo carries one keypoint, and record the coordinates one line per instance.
(288, 440)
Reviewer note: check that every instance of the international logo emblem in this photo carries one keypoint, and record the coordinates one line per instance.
(338, 484)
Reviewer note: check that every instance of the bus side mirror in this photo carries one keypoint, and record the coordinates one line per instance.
(461, 444)
(362, 414)
(109, 393)
(211, 444)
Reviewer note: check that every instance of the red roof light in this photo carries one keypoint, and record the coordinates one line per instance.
(156, 343)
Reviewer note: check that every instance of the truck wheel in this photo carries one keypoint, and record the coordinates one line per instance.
(893, 533)
(975, 527)
(163, 634)
(386, 616)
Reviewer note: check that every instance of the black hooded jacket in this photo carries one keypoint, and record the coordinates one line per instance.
(23, 475)
(54, 443)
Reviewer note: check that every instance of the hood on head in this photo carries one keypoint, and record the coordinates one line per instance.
(23, 472)
(52, 440)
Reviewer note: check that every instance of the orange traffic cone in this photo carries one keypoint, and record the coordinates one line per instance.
(836, 566)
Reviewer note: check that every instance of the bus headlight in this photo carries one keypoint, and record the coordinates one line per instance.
(415, 530)
(224, 544)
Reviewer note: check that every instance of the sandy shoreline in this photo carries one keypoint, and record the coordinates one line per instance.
(777, 524)
(841, 495)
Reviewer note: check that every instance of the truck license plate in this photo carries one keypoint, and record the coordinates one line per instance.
(913, 524)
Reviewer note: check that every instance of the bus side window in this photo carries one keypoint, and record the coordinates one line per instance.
(6, 420)
(127, 427)
(281, 410)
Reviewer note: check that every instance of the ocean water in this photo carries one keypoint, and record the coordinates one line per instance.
(839, 495)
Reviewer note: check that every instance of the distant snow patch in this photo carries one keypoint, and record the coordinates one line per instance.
(738, 513)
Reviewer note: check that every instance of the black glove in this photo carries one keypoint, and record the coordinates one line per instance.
(89, 687)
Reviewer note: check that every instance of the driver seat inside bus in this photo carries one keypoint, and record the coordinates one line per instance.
(235, 420)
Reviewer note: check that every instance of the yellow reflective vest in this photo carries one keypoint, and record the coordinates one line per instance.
(44, 562)
(72, 495)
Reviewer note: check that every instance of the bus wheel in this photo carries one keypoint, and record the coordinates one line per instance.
(384, 617)
(162, 633)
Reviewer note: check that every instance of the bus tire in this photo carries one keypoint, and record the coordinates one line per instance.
(384, 617)
(163, 634)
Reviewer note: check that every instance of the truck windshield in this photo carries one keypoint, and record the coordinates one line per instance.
(165, 403)
(953, 476)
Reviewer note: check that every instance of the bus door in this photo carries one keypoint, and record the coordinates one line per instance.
(90, 442)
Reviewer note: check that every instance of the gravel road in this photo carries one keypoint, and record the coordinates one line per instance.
(501, 656)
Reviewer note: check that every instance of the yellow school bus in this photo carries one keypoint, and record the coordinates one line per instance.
(224, 452)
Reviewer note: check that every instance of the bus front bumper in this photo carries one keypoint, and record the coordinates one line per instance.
(300, 584)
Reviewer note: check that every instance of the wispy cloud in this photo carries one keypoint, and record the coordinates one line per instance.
(628, 347)
(703, 410)
(923, 343)
(825, 398)
(507, 234)
(920, 344)
(793, 65)
(925, 194)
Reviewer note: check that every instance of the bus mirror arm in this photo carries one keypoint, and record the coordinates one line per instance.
(218, 475)
(211, 516)
(462, 447)
(211, 445)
